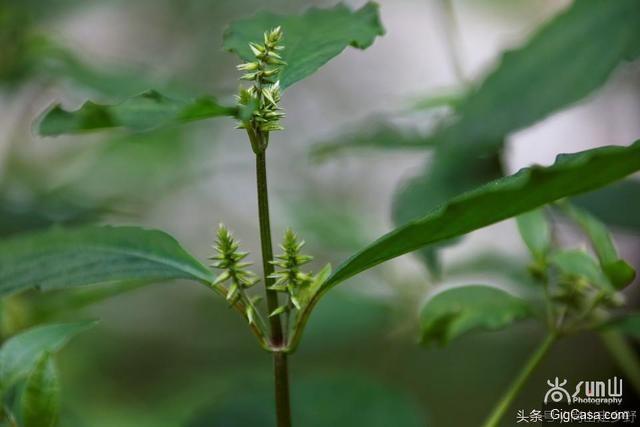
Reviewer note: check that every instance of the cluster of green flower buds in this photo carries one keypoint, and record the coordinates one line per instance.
(235, 272)
(264, 95)
(289, 278)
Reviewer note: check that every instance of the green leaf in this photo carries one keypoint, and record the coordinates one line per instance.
(501, 199)
(590, 39)
(456, 311)
(40, 400)
(144, 112)
(628, 325)
(62, 258)
(535, 232)
(311, 39)
(20, 353)
(617, 205)
(619, 272)
(575, 263)
(371, 135)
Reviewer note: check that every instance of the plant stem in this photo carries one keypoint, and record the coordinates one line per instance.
(280, 366)
(624, 355)
(519, 382)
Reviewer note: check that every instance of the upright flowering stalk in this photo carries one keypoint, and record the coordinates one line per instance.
(263, 96)
(262, 100)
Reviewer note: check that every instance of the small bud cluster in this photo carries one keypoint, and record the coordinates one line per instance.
(264, 95)
(235, 273)
(584, 302)
(289, 278)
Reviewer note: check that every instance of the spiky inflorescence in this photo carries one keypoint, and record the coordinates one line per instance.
(288, 277)
(230, 259)
(264, 95)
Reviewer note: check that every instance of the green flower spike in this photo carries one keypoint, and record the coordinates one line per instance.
(235, 274)
(263, 97)
(288, 277)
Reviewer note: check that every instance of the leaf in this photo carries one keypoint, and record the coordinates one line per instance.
(40, 400)
(456, 311)
(144, 112)
(590, 39)
(20, 353)
(382, 135)
(311, 39)
(576, 263)
(617, 205)
(535, 232)
(501, 199)
(619, 272)
(90, 255)
(629, 325)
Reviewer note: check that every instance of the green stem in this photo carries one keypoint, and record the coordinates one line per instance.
(280, 365)
(515, 388)
(624, 355)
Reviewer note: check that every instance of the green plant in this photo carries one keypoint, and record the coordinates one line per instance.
(577, 292)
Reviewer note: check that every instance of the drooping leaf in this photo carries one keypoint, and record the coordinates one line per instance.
(40, 400)
(310, 39)
(501, 199)
(617, 205)
(456, 311)
(575, 263)
(384, 136)
(536, 233)
(19, 354)
(619, 272)
(144, 112)
(62, 258)
(590, 39)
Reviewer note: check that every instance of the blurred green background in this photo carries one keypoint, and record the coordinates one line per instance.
(174, 355)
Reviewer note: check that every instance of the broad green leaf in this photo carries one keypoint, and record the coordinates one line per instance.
(384, 136)
(536, 233)
(619, 272)
(617, 205)
(311, 39)
(590, 39)
(575, 264)
(19, 354)
(456, 311)
(40, 399)
(144, 112)
(501, 199)
(63, 258)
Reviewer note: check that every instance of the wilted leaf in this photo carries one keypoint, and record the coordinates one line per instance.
(501, 199)
(453, 312)
(536, 233)
(619, 272)
(311, 39)
(62, 258)
(40, 400)
(19, 354)
(144, 112)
